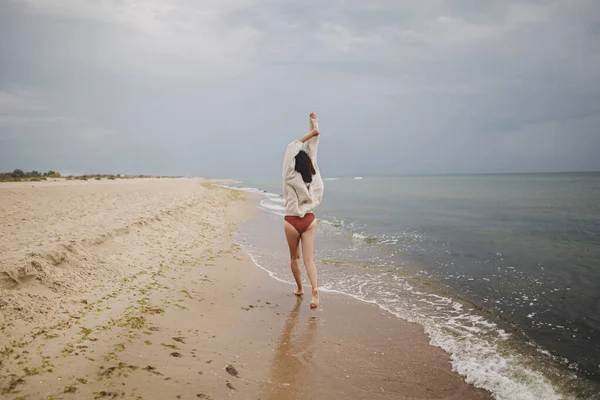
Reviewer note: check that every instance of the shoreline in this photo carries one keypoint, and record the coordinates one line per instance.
(165, 302)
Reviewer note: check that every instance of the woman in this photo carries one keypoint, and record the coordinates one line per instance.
(302, 191)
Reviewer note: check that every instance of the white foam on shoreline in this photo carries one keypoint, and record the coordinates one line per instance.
(249, 190)
(246, 249)
(266, 204)
(480, 362)
(272, 202)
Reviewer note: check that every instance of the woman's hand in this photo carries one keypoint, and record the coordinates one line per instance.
(316, 131)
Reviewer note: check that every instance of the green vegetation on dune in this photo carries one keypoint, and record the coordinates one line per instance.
(18, 175)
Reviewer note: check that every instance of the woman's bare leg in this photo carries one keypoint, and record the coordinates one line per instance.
(293, 239)
(308, 254)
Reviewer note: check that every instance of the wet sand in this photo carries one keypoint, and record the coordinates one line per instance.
(135, 290)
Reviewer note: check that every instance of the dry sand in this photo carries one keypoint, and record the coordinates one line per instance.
(134, 289)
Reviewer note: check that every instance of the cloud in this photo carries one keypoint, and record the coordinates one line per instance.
(29, 127)
(341, 38)
(154, 38)
(219, 87)
(20, 100)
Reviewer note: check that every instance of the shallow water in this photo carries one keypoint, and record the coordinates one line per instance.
(501, 270)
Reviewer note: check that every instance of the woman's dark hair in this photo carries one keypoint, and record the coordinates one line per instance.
(304, 165)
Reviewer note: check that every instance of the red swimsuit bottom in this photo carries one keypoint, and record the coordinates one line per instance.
(301, 224)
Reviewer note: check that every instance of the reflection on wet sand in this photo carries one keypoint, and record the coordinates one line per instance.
(291, 367)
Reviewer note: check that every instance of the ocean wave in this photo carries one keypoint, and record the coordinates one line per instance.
(247, 189)
(366, 238)
(271, 206)
(241, 189)
(484, 363)
(275, 198)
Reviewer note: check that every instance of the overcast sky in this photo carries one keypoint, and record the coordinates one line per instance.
(220, 87)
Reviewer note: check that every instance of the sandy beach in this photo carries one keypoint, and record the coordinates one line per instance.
(134, 289)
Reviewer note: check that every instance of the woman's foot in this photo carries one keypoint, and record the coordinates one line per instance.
(314, 303)
(298, 292)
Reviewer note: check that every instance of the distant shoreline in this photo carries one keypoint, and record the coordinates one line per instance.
(34, 176)
(449, 174)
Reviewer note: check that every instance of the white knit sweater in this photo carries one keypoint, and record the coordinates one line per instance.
(299, 197)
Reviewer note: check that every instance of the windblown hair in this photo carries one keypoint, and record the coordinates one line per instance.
(305, 166)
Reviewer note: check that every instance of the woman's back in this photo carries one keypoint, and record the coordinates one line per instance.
(301, 196)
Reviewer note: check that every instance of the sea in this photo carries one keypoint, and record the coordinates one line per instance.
(502, 271)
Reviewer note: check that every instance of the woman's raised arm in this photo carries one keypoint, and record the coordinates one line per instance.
(313, 133)
(313, 143)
